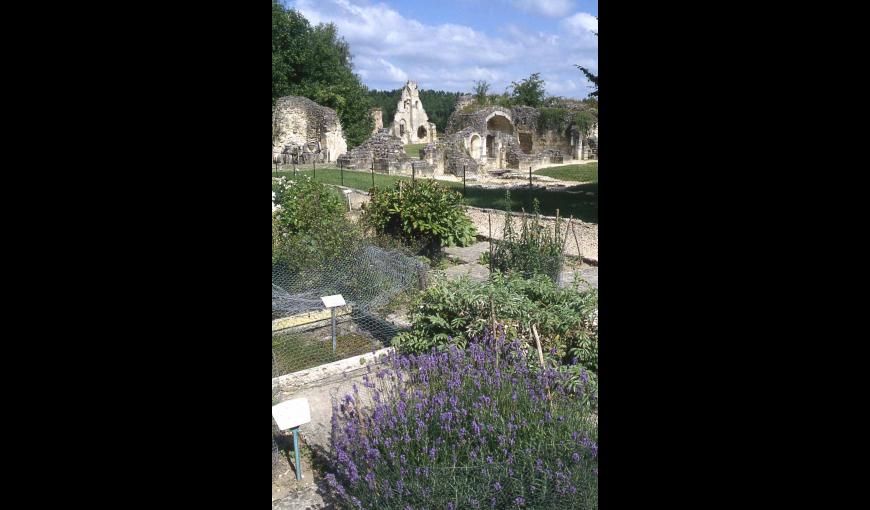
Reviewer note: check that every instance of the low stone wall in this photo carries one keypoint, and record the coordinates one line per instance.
(587, 233)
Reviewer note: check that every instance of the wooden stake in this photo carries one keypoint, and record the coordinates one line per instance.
(541, 357)
(489, 214)
(579, 253)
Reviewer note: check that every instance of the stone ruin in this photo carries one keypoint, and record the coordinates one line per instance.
(410, 123)
(303, 131)
(378, 119)
(384, 153)
(496, 138)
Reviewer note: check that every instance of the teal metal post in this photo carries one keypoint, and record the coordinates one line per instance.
(296, 449)
(333, 323)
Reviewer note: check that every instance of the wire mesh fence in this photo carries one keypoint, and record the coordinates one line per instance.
(374, 282)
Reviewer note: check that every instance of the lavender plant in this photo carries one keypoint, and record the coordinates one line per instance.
(483, 427)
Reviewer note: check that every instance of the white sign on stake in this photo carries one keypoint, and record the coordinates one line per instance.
(292, 413)
(333, 301)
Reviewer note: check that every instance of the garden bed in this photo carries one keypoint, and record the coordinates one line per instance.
(299, 350)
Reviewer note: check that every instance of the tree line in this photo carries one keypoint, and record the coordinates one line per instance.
(437, 103)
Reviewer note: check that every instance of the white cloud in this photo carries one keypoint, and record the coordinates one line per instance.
(394, 72)
(581, 23)
(550, 8)
(389, 48)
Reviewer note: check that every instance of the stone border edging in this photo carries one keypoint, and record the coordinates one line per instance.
(313, 375)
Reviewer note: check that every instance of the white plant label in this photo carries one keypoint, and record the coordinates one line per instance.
(333, 301)
(292, 413)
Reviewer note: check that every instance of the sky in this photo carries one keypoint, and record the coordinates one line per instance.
(450, 44)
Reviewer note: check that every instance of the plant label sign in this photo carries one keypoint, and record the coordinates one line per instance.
(292, 413)
(333, 301)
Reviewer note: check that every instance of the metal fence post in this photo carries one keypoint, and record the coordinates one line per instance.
(463, 180)
(341, 169)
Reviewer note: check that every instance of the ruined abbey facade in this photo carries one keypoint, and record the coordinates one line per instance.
(410, 123)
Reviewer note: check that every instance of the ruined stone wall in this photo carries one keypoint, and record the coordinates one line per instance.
(378, 119)
(297, 121)
(383, 150)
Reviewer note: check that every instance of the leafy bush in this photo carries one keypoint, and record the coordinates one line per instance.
(424, 213)
(451, 312)
(308, 223)
(465, 430)
(535, 250)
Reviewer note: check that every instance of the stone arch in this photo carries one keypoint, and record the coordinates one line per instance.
(421, 133)
(402, 127)
(499, 122)
(474, 146)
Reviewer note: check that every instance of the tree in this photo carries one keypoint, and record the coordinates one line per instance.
(529, 92)
(481, 88)
(315, 62)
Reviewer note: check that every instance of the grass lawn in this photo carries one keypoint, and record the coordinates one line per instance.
(581, 201)
(579, 173)
(413, 149)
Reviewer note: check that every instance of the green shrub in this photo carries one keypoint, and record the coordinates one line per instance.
(308, 224)
(450, 312)
(424, 214)
(534, 250)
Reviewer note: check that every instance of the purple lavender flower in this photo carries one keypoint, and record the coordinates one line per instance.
(520, 501)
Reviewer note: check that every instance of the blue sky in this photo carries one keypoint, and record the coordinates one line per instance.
(450, 44)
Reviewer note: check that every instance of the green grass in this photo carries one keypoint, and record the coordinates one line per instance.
(413, 149)
(579, 173)
(580, 201)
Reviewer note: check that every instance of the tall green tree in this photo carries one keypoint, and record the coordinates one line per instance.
(529, 92)
(315, 62)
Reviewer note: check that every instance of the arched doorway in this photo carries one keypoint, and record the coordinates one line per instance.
(474, 146)
(402, 127)
(421, 133)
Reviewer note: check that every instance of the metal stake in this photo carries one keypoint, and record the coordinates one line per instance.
(333, 330)
(296, 449)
